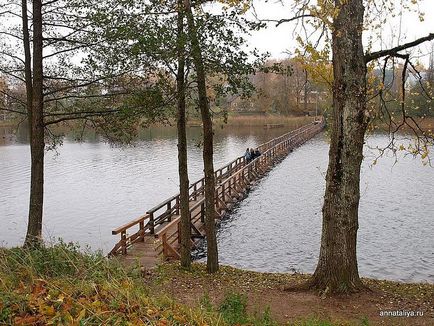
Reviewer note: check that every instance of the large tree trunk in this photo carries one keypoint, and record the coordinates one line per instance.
(337, 270)
(212, 254)
(182, 145)
(37, 143)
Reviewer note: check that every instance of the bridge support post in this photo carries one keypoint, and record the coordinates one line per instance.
(195, 191)
(202, 212)
(151, 223)
(169, 209)
(177, 206)
(124, 242)
(142, 231)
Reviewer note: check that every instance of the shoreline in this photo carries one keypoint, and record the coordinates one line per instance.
(255, 121)
(233, 120)
(8, 123)
(385, 302)
(61, 284)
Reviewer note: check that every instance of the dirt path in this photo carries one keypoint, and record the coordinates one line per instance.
(268, 291)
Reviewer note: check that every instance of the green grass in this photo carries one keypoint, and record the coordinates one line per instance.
(312, 322)
(65, 285)
(61, 285)
(233, 309)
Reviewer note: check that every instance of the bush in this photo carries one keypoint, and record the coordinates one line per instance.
(233, 309)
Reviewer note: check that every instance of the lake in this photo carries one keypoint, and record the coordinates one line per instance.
(92, 187)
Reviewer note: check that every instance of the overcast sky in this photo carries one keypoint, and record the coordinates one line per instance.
(278, 40)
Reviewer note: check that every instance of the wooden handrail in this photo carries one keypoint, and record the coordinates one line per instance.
(164, 203)
(241, 171)
(236, 171)
(130, 224)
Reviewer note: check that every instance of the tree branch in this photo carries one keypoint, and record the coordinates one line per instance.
(394, 51)
(13, 111)
(287, 20)
(79, 116)
(84, 96)
(12, 56)
(11, 35)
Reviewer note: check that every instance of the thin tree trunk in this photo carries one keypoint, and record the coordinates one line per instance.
(305, 91)
(182, 145)
(298, 93)
(27, 64)
(285, 109)
(37, 144)
(212, 254)
(337, 269)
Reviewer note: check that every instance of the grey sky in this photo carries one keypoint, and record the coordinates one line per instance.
(277, 40)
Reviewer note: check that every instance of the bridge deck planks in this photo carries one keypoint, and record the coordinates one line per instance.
(148, 253)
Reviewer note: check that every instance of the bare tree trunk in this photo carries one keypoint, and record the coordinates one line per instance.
(27, 63)
(182, 145)
(285, 92)
(212, 254)
(298, 93)
(305, 90)
(37, 144)
(337, 269)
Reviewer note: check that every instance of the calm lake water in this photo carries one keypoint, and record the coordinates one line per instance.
(92, 188)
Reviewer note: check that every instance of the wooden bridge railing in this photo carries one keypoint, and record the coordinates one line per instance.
(164, 211)
(229, 179)
(238, 181)
(125, 241)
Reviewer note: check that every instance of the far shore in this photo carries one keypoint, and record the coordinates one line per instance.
(262, 121)
(257, 121)
(8, 123)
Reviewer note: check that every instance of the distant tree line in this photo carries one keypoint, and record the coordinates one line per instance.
(290, 89)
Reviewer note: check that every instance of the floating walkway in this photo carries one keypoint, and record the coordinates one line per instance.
(157, 236)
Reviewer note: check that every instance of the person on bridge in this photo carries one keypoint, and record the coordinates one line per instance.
(247, 155)
(252, 154)
(257, 153)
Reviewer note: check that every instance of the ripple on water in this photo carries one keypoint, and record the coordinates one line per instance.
(278, 227)
(92, 188)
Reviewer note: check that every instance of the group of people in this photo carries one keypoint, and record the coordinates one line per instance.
(251, 154)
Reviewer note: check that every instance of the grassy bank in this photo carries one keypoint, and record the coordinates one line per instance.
(60, 285)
